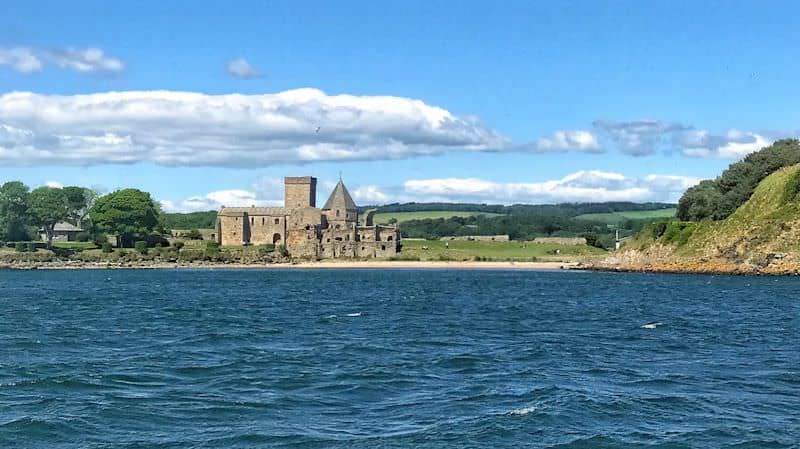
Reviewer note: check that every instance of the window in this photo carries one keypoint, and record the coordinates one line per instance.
(252, 220)
(308, 227)
(262, 221)
(338, 226)
(389, 238)
(347, 238)
(277, 221)
(383, 247)
(337, 213)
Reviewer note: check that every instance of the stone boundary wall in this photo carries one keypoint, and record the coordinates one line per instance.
(479, 238)
(561, 240)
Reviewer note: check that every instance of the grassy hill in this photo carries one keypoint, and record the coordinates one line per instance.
(385, 217)
(761, 235)
(615, 218)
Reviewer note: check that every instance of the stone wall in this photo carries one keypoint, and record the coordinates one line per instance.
(479, 238)
(561, 240)
(300, 192)
(230, 229)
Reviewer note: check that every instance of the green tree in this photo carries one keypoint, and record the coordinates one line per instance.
(80, 201)
(48, 206)
(125, 213)
(14, 197)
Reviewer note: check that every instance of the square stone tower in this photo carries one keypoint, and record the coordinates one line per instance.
(300, 191)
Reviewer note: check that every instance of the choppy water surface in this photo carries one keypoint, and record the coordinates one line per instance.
(397, 358)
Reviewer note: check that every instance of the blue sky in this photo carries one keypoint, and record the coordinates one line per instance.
(495, 102)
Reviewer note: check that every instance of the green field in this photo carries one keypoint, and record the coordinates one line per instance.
(384, 217)
(470, 250)
(614, 218)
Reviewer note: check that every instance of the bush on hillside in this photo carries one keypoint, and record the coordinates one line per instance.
(20, 247)
(107, 248)
(719, 198)
(30, 247)
(178, 245)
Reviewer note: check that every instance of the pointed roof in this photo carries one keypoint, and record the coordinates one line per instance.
(340, 196)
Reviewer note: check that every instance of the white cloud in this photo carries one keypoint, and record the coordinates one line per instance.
(194, 129)
(54, 184)
(734, 144)
(369, 194)
(21, 59)
(240, 68)
(87, 60)
(577, 140)
(582, 186)
(215, 200)
(641, 137)
(28, 60)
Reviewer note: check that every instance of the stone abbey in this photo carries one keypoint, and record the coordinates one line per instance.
(335, 230)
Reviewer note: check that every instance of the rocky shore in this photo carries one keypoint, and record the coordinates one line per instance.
(661, 260)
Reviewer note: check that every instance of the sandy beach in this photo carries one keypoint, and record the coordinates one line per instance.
(332, 264)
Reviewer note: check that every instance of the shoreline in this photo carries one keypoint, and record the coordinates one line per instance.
(332, 264)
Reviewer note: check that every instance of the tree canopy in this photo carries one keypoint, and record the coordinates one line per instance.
(48, 206)
(14, 211)
(125, 212)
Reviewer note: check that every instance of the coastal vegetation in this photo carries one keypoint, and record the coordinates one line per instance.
(760, 235)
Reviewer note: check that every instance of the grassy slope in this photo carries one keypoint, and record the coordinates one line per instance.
(468, 250)
(618, 217)
(384, 217)
(769, 222)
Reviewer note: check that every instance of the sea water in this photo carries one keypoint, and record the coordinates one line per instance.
(397, 359)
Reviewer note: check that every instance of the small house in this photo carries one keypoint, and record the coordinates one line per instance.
(63, 232)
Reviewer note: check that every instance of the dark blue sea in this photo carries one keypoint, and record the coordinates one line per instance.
(397, 359)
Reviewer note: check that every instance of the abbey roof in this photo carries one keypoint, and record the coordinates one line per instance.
(340, 196)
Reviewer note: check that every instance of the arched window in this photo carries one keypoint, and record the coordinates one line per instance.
(276, 239)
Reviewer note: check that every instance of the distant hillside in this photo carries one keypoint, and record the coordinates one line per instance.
(762, 235)
(400, 217)
(617, 218)
(551, 210)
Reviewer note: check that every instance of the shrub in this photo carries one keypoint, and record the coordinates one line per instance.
(194, 234)
(266, 248)
(83, 237)
(107, 248)
(178, 245)
(283, 251)
(140, 246)
(20, 247)
(30, 247)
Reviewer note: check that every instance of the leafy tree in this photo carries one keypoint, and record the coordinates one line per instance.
(80, 200)
(125, 213)
(48, 206)
(14, 197)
